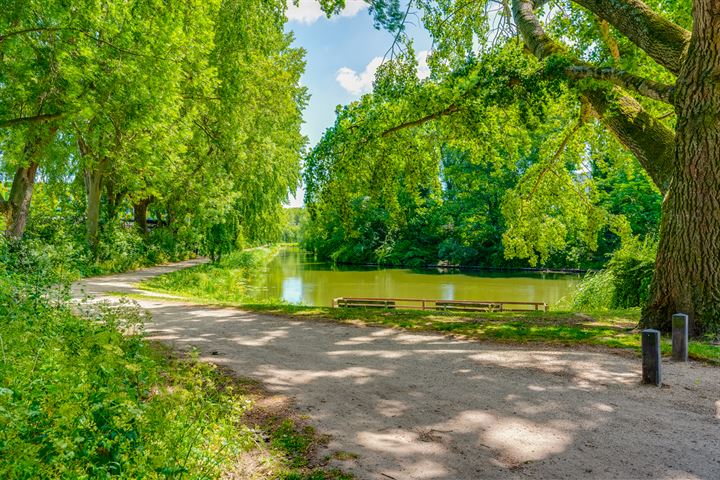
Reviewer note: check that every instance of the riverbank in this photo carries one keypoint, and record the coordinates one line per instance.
(228, 283)
(225, 281)
(611, 329)
(472, 268)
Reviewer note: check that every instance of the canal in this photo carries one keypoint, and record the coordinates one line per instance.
(295, 277)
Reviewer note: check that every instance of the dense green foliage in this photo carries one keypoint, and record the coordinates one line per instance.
(134, 133)
(89, 397)
(495, 184)
(624, 283)
(152, 128)
(548, 90)
(80, 399)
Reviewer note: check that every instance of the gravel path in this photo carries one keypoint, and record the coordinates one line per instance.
(423, 406)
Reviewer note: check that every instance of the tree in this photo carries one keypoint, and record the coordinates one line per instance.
(685, 164)
(625, 59)
(33, 98)
(187, 113)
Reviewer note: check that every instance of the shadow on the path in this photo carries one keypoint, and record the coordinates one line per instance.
(425, 406)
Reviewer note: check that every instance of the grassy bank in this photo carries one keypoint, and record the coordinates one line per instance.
(223, 281)
(226, 284)
(85, 397)
(612, 329)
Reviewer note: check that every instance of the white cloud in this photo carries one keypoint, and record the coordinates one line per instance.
(358, 83)
(309, 11)
(423, 70)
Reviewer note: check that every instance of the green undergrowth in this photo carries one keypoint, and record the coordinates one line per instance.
(82, 395)
(68, 258)
(223, 281)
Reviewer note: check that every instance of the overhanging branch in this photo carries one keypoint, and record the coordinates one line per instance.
(664, 41)
(427, 118)
(16, 33)
(644, 86)
(34, 119)
(647, 138)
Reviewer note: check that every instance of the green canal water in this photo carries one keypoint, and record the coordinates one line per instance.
(295, 277)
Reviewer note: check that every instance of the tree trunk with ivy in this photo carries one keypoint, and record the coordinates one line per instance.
(93, 191)
(17, 206)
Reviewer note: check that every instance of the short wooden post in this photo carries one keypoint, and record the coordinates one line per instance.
(680, 337)
(651, 357)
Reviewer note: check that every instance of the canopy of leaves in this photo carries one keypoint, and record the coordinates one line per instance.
(490, 163)
(190, 109)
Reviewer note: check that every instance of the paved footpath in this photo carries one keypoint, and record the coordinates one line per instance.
(424, 406)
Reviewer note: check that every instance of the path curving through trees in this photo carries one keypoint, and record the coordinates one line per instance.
(425, 406)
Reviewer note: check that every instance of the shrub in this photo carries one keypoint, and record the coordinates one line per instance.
(91, 398)
(595, 292)
(624, 283)
(632, 267)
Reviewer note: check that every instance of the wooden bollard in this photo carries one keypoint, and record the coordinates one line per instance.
(651, 357)
(680, 337)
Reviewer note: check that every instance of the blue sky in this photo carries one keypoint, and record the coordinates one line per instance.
(342, 55)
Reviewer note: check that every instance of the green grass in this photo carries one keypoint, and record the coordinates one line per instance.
(224, 281)
(86, 397)
(612, 329)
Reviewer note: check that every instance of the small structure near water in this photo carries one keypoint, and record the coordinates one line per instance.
(430, 304)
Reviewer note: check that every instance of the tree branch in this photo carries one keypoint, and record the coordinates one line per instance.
(652, 143)
(644, 86)
(34, 119)
(665, 41)
(5, 36)
(647, 138)
(563, 145)
(414, 123)
(539, 43)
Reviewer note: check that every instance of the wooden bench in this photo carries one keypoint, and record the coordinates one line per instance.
(362, 303)
(426, 304)
(469, 306)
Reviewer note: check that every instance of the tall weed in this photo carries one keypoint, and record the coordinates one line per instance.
(624, 283)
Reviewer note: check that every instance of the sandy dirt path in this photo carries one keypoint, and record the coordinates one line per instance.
(424, 406)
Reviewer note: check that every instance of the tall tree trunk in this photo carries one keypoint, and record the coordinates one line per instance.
(18, 205)
(140, 212)
(687, 273)
(93, 190)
